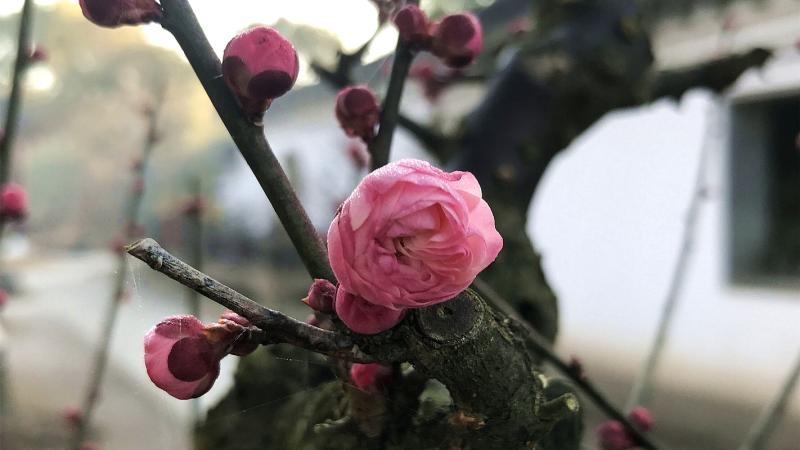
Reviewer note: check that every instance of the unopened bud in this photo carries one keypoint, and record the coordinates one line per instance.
(114, 13)
(321, 296)
(458, 39)
(372, 378)
(357, 111)
(413, 26)
(37, 54)
(642, 418)
(364, 317)
(612, 435)
(13, 201)
(72, 415)
(3, 298)
(259, 65)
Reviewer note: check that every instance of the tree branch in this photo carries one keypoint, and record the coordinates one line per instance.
(179, 19)
(278, 327)
(758, 435)
(542, 347)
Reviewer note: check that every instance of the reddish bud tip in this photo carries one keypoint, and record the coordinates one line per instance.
(72, 415)
(358, 154)
(3, 298)
(234, 333)
(371, 377)
(458, 39)
(613, 436)
(259, 65)
(37, 54)
(413, 26)
(642, 418)
(321, 296)
(179, 358)
(13, 201)
(364, 317)
(357, 111)
(114, 13)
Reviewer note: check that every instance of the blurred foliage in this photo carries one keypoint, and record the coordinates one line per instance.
(82, 126)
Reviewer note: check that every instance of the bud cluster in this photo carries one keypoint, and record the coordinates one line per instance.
(456, 39)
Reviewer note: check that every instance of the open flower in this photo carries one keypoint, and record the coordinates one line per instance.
(411, 235)
(114, 13)
(259, 65)
(182, 354)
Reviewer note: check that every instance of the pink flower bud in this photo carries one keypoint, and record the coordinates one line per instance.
(13, 201)
(313, 320)
(413, 26)
(179, 358)
(259, 65)
(642, 418)
(357, 111)
(613, 436)
(371, 377)
(72, 415)
(321, 296)
(3, 298)
(364, 317)
(113, 13)
(458, 39)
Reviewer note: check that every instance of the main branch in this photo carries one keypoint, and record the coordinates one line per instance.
(180, 20)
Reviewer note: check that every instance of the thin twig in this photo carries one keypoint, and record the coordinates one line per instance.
(9, 132)
(180, 20)
(542, 347)
(278, 327)
(100, 361)
(380, 147)
(759, 434)
(643, 382)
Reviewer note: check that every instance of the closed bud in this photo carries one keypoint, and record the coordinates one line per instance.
(642, 418)
(458, 39)
(321, 296)
(179, 358)
(372, 378)
(259, 65)
(358, 112)
(72, 415)
(413, 26)
(235, 333)
(3, 299)
(364, 317)
(13, 201)
(612, 435)
(114, 13)
(37, 54)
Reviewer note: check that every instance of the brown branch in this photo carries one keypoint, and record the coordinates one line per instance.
(278, 327)
(131, 214)
(179, 19)
(543, 348)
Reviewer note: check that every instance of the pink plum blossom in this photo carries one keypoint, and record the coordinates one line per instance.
(13, 201)
(259, 65)
(409, 236)
(364, 317)
(371, 377)
(642, 417)
(114, 13)
(458, 39)
(357, 111)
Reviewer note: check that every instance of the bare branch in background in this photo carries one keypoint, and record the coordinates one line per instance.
(278, 327)
(100, 361)
(759, 435)
(543, 348)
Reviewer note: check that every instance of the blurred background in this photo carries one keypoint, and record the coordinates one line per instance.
(608, 217)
